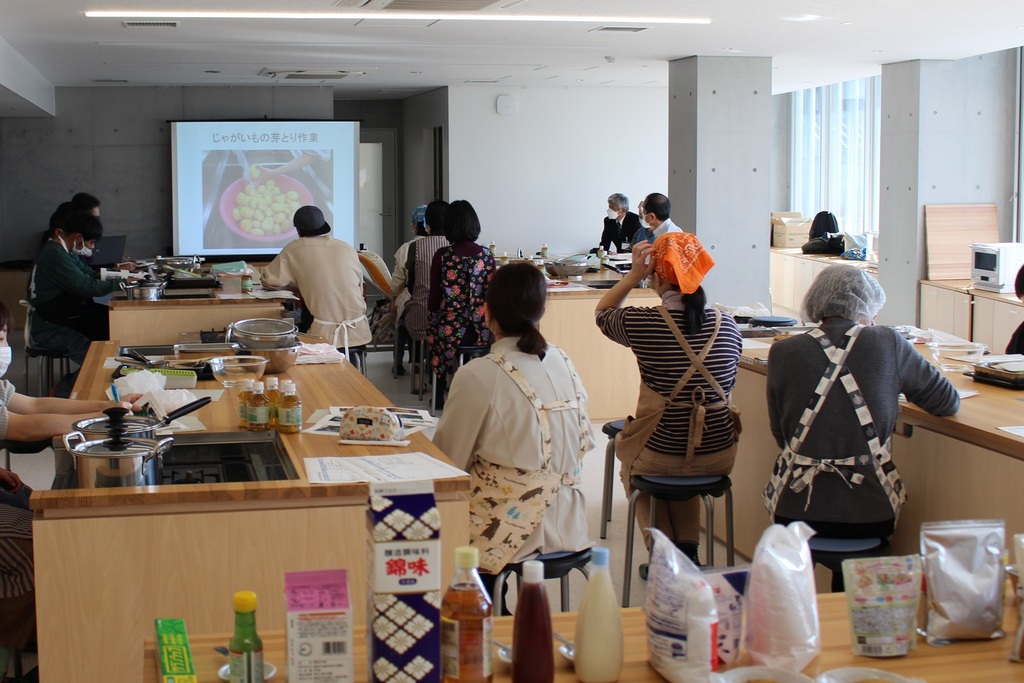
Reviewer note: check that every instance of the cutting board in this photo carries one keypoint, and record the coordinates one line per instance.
(949, 230)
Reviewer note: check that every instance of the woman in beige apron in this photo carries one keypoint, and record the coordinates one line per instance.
(516, 420)
(833, 400)
(688, 355)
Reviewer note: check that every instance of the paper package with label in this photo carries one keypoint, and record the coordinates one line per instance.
(319, 626)
(404, 578)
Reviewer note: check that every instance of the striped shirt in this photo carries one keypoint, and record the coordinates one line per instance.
(662, 362)
(15, 522)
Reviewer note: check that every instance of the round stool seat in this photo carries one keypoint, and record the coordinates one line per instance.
(681, 488)
(843, 545)
(36, 352)
(614, 427)
(830, 553)
(25, 447)
(556, 566)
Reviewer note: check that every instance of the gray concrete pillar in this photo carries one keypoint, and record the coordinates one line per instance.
(947, 138)
(720, 142)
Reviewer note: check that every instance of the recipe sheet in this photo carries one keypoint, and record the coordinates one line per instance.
(379, 469)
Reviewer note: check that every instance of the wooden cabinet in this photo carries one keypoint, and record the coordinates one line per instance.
(792, 273)
(995, 320)
(945, 308)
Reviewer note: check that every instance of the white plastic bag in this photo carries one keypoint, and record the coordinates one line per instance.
(682, 620)
(782, 609)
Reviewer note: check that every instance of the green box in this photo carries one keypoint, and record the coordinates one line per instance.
(173, 656)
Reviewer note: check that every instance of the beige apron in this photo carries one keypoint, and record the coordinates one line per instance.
(651, 405)
(331, 331)
(507, 503)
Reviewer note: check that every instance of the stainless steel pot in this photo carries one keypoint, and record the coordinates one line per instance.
(262, 333)
(107, 463)
(143, 290)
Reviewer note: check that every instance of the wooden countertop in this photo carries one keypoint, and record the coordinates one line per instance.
(120, 303)
(830, 259)
(319, 386)
(983, 660)
(967, 287)
(977, 421)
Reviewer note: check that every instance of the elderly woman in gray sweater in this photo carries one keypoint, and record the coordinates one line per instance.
(832, 406)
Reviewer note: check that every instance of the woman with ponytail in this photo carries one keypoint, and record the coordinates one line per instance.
(688, 355)
(520, 409)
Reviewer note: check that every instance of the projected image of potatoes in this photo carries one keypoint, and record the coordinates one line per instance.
(262, 209)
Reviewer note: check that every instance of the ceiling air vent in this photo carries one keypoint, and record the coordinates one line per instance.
(149, 24)
(109, 80)
(310, 74)
(620, 29)
(419, 5)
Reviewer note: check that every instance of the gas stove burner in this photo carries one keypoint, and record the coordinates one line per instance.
(193, 477)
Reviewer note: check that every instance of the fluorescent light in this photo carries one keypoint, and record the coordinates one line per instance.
(427, 16)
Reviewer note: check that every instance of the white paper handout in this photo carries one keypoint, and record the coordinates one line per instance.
(379, 469)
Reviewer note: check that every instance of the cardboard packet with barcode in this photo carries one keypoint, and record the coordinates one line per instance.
(173, 656)
(319, 626)
(882, 593)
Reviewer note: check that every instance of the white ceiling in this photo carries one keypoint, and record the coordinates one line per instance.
(812, 42)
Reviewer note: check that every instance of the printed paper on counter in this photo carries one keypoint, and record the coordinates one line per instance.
(379, 469)
(1016, 431)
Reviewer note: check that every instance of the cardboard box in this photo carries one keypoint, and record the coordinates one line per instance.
(404, 578)
(319, 626)
(790, 231)
(173, 656)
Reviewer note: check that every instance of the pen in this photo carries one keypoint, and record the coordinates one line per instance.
(113, 391)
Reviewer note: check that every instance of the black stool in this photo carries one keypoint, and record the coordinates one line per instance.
(611, 429)
(830, 553)
(680, 489)
(556, 566)
(45, 359)
(7, 447)
(357, 356)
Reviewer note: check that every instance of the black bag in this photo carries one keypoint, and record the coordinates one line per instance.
(829, 244)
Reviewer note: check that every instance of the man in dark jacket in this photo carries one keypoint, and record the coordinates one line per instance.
(621, 223)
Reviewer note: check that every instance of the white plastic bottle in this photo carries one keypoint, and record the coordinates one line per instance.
(598, 641)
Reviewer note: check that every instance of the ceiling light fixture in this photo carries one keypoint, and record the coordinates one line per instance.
(428, 16)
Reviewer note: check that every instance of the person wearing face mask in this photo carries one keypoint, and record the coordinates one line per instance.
(654, 216)
(23, 418)
(61, 288)
(620, 225)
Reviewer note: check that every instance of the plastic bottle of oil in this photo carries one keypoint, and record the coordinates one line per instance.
(243, 404)
(466, 623)
(274, 396)
(289, 410)
(259, 409)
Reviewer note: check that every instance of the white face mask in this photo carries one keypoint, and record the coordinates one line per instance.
(613, 214)
(5, 359)
(647, 226)
(82, 251)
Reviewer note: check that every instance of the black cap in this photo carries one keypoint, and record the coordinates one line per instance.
(309, 221)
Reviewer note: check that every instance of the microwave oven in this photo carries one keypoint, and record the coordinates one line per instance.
(994, 265)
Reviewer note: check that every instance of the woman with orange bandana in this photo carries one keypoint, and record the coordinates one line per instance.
(688, 354)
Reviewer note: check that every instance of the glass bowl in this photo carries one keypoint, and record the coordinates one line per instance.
(232, 371)
(956, 356)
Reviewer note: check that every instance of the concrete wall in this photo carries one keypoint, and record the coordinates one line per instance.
(114, 142)
(720, 144)
(947, 138)
(420, 115)
(782, 157)
(544, 175)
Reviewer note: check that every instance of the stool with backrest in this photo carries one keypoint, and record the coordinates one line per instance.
(556, 566)
(45, 358)
(611, 429)
(680, 489)
(830, 553)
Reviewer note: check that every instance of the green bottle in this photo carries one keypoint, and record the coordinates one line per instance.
(246, 648)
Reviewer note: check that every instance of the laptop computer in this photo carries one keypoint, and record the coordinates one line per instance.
(109, 251)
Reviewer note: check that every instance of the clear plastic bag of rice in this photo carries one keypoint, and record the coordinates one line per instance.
(682, 620)
(782, 609)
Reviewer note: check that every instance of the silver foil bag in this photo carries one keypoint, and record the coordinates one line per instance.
(963, 565)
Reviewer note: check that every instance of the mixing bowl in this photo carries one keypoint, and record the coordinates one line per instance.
(278, 360)
(232, 371)
(956, 356)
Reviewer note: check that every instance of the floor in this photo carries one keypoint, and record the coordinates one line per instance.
(37, 471)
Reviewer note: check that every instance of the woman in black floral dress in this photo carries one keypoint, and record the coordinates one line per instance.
(459, 275)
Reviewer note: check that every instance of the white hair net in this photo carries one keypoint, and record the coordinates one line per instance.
(844, 292)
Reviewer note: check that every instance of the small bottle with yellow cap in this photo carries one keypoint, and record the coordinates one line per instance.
(245, 651)
(466, 623)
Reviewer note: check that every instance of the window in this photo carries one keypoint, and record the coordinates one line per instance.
(835, 152)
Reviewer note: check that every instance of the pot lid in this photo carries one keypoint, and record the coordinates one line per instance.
(116, 448)
(127, 426)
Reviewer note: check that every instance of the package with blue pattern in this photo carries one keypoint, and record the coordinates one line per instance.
(404, 576)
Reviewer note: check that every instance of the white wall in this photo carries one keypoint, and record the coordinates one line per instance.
(544, 175)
